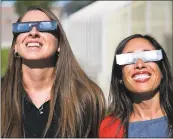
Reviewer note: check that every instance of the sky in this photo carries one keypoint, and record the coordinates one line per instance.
(10, 3)
(62, 3)
(7, 3)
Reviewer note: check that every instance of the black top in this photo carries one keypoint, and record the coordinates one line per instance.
(35, 120)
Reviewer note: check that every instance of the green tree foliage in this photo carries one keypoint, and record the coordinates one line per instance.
(4, 60)
(21, 6)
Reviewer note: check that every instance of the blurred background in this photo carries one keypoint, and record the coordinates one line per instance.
(94, 29)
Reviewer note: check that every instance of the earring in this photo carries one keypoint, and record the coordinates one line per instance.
(162, 77)
(16, 55)
(121, 81)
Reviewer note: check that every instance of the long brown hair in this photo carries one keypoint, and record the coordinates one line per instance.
(81, 101)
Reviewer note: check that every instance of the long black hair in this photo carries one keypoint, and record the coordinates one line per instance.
(120, 104)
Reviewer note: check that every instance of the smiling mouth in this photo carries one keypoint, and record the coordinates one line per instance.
(141, 77)
(33, 44)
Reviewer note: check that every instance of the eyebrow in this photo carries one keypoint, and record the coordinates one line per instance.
(139, 51)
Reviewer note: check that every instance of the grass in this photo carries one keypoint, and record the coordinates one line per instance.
(4, 60)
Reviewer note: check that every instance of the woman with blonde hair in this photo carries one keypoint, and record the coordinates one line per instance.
(44, 92)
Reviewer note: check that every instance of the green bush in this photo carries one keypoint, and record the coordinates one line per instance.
(4, 60)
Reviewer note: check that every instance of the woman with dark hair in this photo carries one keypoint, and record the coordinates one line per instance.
(141, 91)
(44, 92)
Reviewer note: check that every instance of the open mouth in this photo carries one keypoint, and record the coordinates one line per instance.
(141, 77)
(33, 44)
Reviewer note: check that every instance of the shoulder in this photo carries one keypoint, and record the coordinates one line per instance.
(109, 126)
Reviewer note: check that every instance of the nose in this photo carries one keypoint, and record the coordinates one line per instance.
(140, 64)
(34, 32)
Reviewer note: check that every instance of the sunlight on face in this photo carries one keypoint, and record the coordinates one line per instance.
(35, 45)
(140, 77)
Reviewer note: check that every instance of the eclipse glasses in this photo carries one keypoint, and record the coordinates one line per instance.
(146, 56)
(43, 26)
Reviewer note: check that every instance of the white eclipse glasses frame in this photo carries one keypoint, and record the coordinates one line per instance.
(146, 56)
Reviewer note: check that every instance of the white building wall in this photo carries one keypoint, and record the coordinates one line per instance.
(95, 31)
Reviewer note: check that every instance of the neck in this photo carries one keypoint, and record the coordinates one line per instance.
(147, 109)
(38, 83)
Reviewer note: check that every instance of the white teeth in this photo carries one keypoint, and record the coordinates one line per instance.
(141, 77)
(31, 44)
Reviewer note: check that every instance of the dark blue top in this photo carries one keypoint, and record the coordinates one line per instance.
(154, 128)
(35, 120)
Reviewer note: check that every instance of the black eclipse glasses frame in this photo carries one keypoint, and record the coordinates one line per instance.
(42, 26)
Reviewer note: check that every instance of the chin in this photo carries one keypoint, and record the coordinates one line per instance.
(143, 90)
(31, 58)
